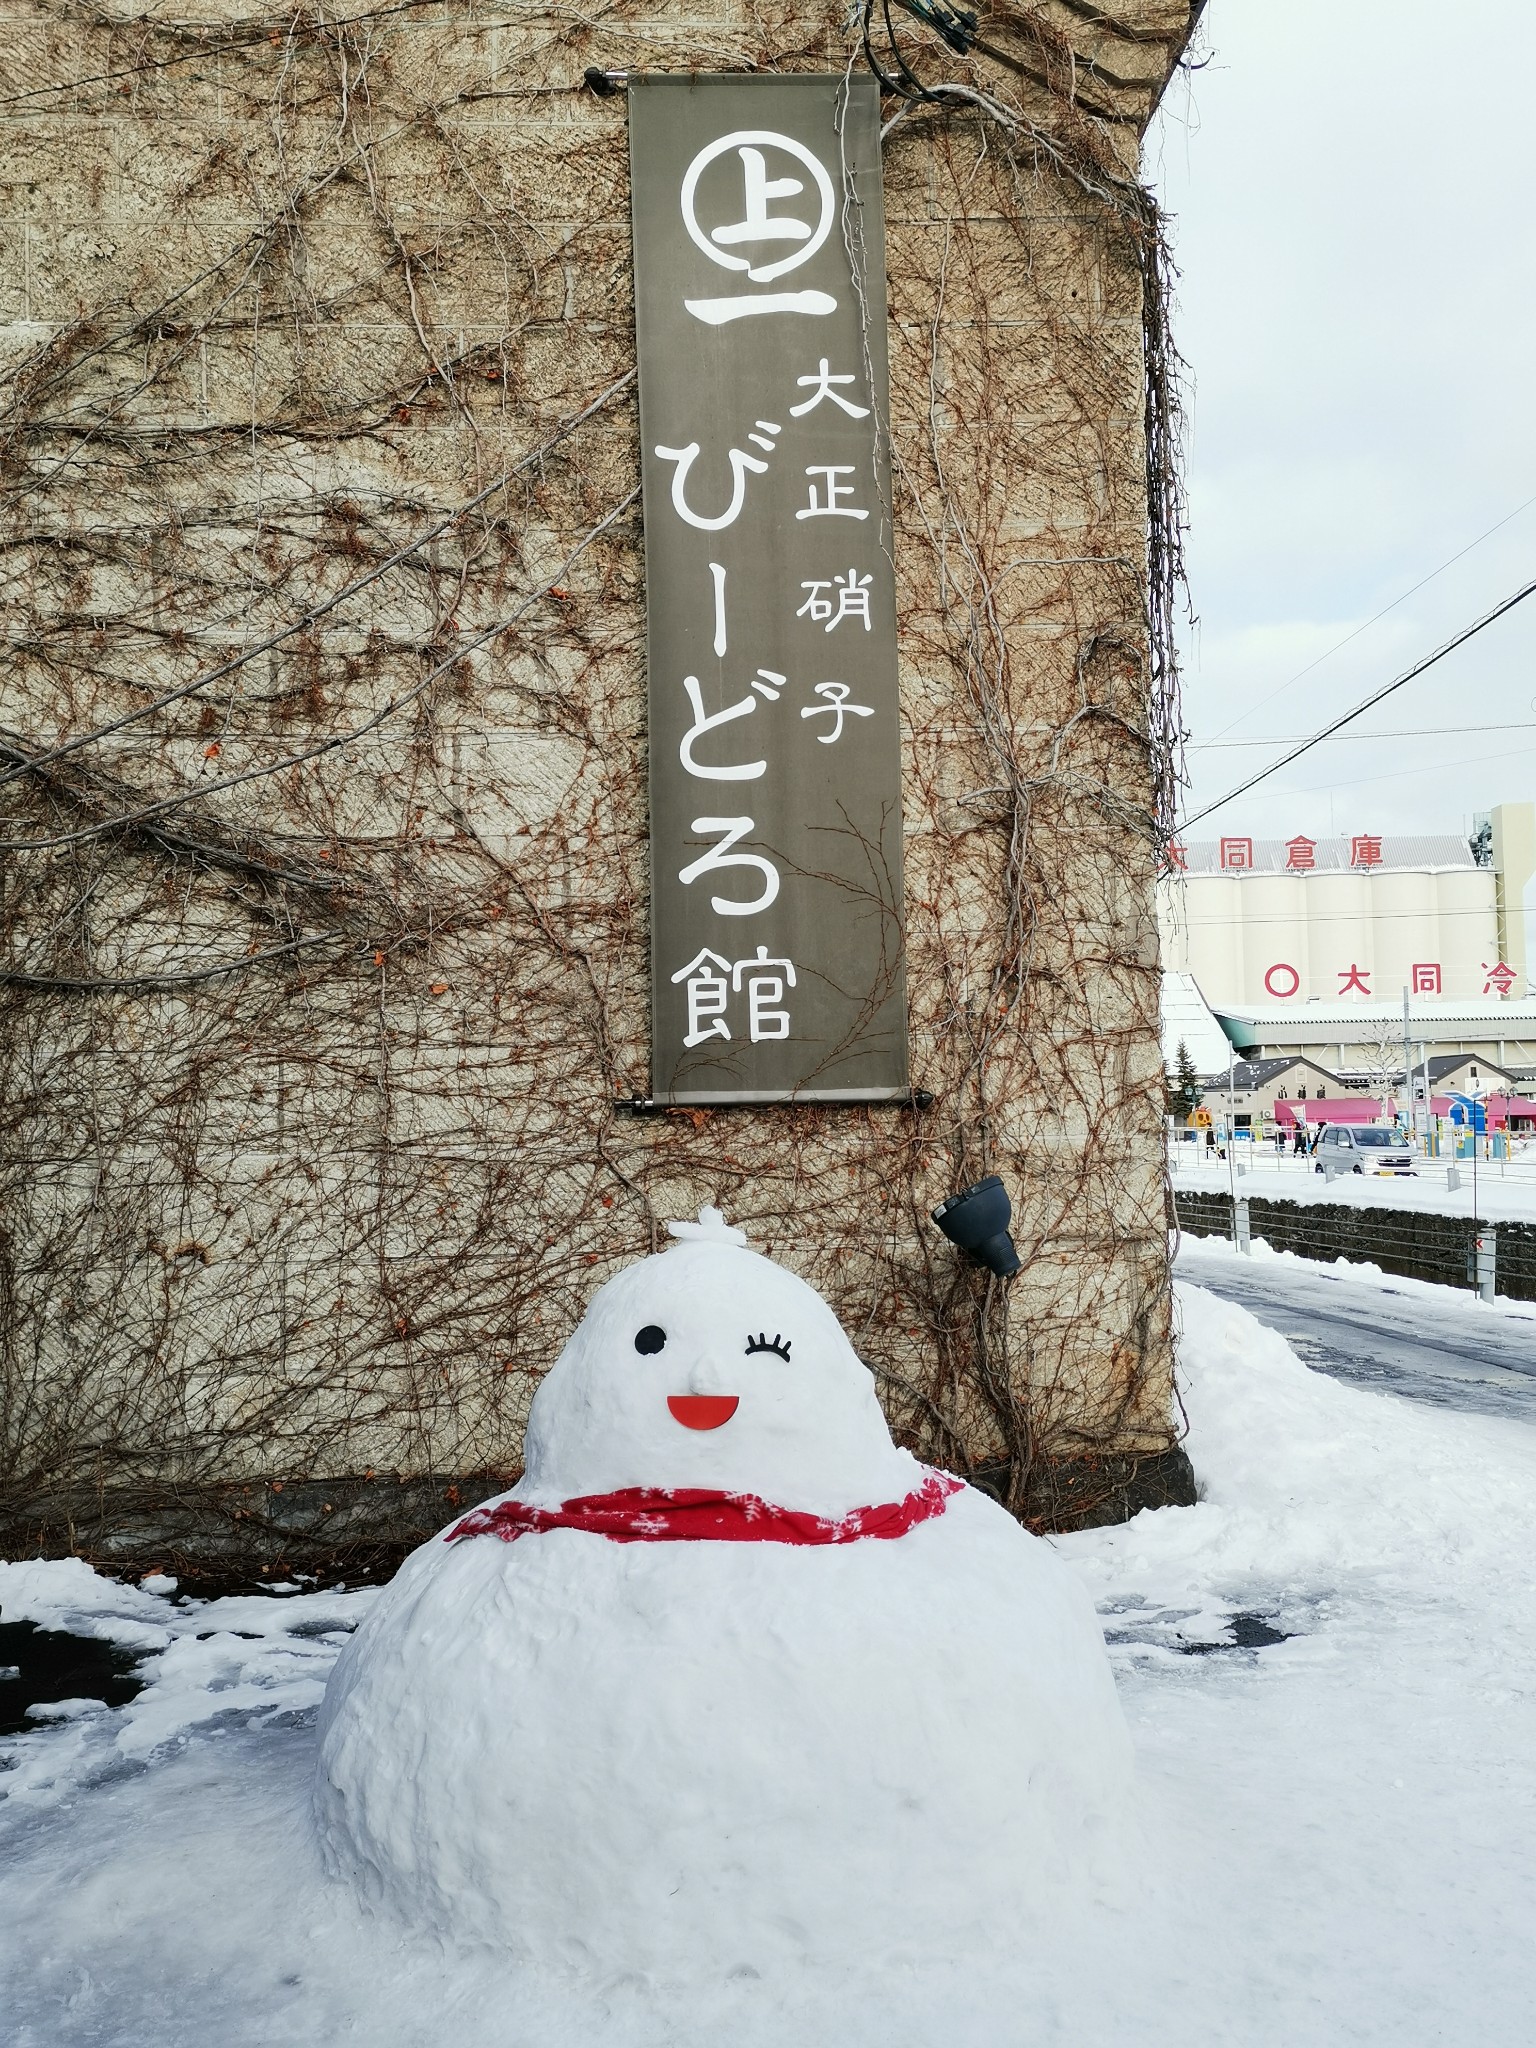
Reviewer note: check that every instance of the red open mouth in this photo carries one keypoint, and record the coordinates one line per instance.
(703, 1411)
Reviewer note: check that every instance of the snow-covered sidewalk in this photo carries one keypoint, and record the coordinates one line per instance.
(1337, 1839)
(1507, 1196)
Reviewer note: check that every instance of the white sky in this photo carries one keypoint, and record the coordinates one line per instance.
(1352, 190)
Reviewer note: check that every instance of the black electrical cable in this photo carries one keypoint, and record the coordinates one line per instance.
(955, 27)
(1365, 704)
(905, 84)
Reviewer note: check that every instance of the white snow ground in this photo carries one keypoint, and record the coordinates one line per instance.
(1502, 1196)
(1364, 1274)
(1339, 1841)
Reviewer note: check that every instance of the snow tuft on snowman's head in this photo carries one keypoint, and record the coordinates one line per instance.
(708, 1365)
(711, 1228)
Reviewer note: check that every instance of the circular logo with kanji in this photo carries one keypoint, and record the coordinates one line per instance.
(757, 192)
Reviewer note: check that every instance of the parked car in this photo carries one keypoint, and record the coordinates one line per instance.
(1364, 1148)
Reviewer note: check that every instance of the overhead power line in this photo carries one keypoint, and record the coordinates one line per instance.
(1397, 732)
(1437, 767)
(1412, 590)
(1359, 710)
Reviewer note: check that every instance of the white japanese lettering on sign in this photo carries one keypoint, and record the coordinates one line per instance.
(757, 215)
(852, 600)
(766, 982)
(740, 463)
(745, 772)
(732, 830)
(823, 381)
(836, 707)
(760, 223)
(709, 983)
(830, 506)
(707, 989)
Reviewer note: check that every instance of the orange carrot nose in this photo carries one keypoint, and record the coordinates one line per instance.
(703, 1411)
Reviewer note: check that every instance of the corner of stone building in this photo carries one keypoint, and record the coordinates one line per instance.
(332, 1208)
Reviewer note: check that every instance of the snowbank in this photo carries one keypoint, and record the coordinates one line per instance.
(246, 1661)
(1503, 1196)
(1339, 1838)
(1455, 1301)
(1316, 1491)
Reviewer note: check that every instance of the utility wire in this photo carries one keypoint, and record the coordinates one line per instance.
(1400, 732)
(1366, 703)
(1281, 688)
(1436, 767)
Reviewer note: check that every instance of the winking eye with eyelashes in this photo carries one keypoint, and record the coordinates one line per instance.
(762, 1342)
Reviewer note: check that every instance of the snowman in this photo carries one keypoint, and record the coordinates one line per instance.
(726, 1680)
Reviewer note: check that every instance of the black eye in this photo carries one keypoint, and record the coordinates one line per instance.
(763, 1342)
(650, 1339)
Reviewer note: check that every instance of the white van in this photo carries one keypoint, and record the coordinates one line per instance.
(1364, 1148)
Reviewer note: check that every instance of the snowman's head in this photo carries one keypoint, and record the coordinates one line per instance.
(708, 1365)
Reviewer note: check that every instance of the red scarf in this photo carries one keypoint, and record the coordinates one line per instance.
(691, 1514)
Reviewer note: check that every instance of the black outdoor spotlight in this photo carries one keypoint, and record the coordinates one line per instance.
(977, 1220)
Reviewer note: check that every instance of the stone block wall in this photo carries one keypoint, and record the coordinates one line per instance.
(323, 950)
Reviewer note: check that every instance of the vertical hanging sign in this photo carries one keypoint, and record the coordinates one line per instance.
(776, 900)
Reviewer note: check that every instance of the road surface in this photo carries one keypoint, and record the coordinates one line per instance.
(1378, 1334)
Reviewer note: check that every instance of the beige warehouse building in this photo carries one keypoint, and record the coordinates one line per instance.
(1354, 919)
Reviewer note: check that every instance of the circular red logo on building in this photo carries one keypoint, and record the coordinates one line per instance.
(1273, 979)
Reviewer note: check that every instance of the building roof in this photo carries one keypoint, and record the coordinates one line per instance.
(1259, 1073)
(1444, 1063)
(1414, 850)
(1429, 1017)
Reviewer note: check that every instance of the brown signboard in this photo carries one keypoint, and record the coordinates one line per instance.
(775, 759)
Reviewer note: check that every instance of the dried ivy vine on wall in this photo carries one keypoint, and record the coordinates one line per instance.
(323, 949)
(1039, 792)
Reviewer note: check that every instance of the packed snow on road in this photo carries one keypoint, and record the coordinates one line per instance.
(1327, 1667)
(1349, 1319)
(1502, 1191)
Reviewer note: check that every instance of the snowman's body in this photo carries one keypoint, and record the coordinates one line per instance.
(662, 1755)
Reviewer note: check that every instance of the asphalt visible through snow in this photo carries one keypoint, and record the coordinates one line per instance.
(1377, 1334)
